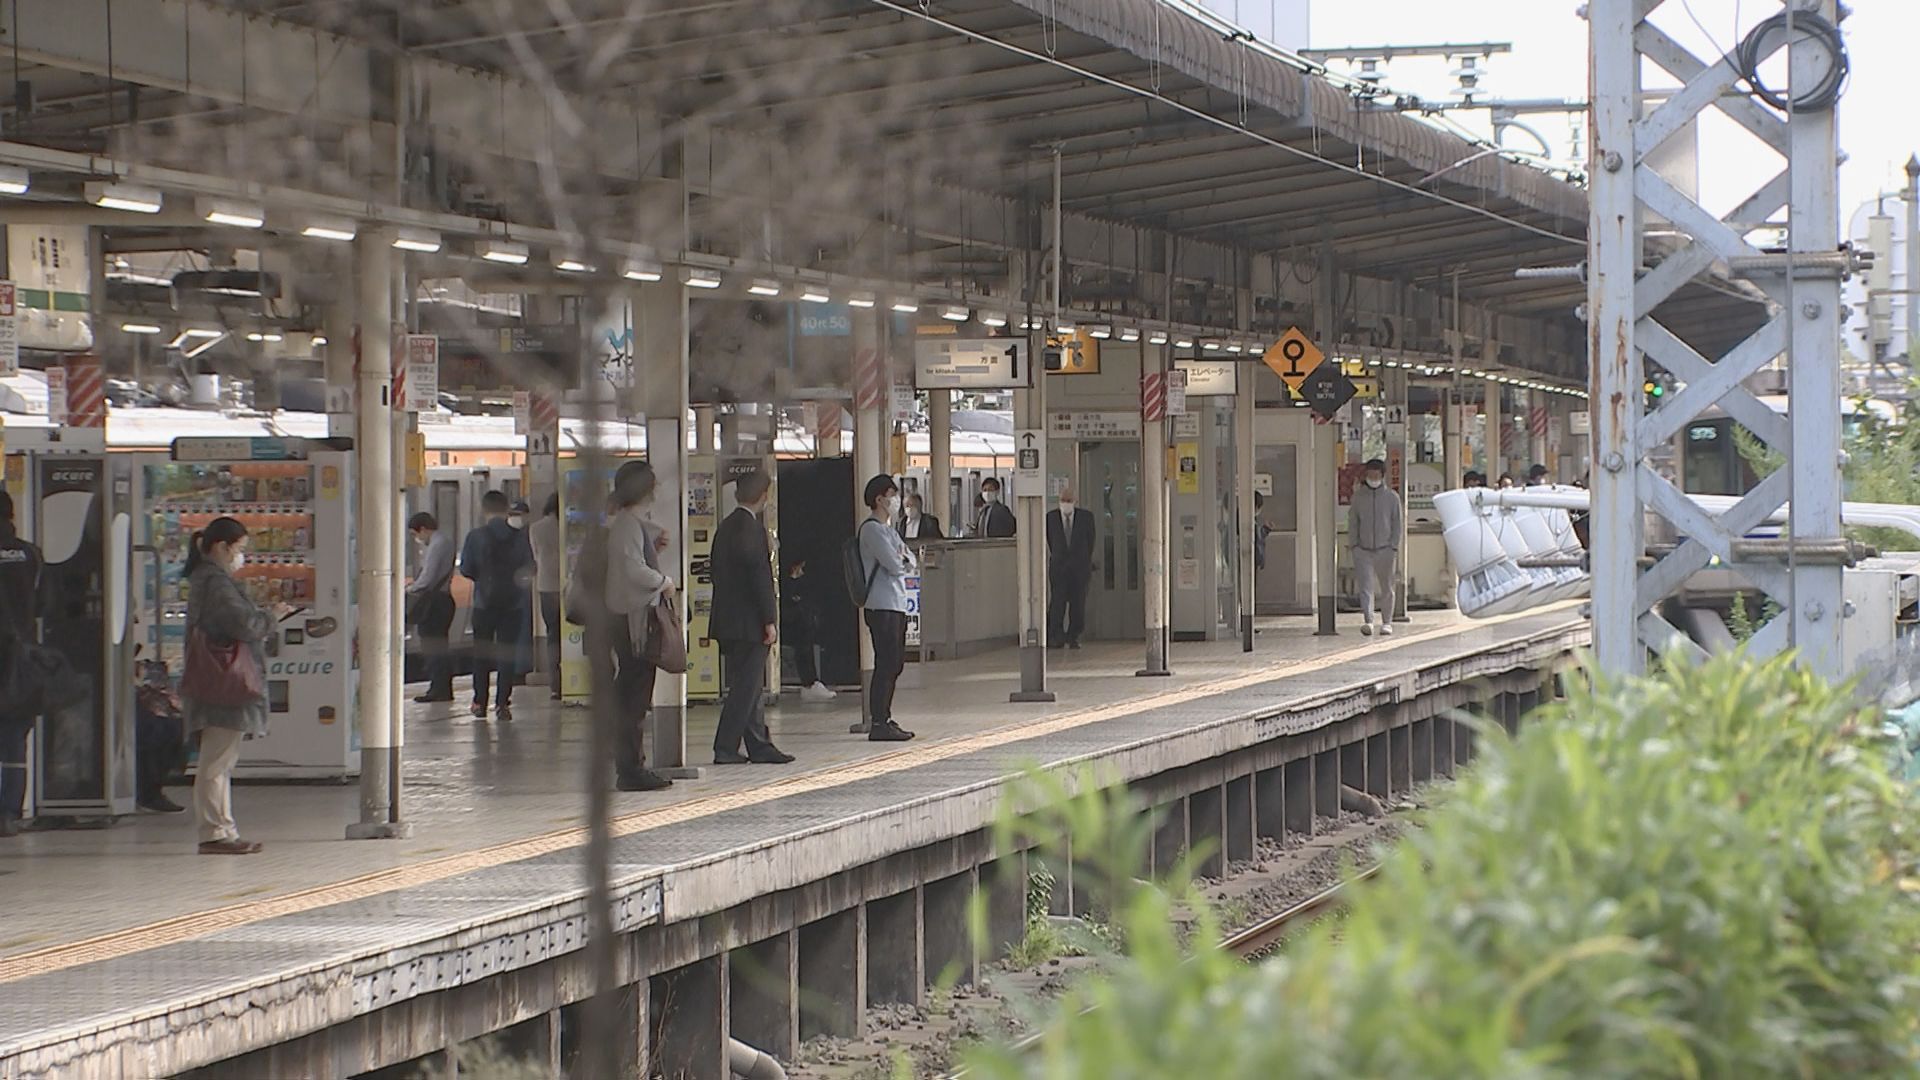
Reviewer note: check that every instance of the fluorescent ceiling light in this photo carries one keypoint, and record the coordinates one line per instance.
(130, 197)
(861, 300)
(1128, 333)
(14, 180)
(331, 228)
(955, 314)
(319, 339)
(258, 336)
(1064, 326)
(197, 332)
(139, 328)
(764, 287)
(240, 215)
(1183, 343)
(642, 270)
(1100, 332)
(992, 318)
(573, 266)
(814, 294)
(906, 305)
(1158, 337)
(510, 252)
(700, 279)
(1235, 347)
(423, 240)
(1210, 346)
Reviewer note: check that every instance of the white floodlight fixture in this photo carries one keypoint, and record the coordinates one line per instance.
(861, 300)
(1158, 337)
(1129, 333)
(905, 305)
(815, 294)
(319, 339)
(764, 287)
(139, 328)
(1064, 326)
(425, 241)
(993, 318)
(258, 336)
(1100, 331)
(202, 333)
(1210, 345)
(341, 229)
(1183, 343)
(694, 278)
(1235, 347)
(570, 265)
(240, 215)
(955, 313)
(511, 252)
(14, 180)
(642, 270)
(128, 197)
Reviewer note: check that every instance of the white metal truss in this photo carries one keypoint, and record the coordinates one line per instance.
(1803, 285)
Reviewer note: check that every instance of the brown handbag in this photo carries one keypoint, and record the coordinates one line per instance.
(666, 647)
(220, 675)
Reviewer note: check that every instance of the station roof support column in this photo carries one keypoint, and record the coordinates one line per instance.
(1244, 457)
(1155, 360)
(869, 460)
(380, 723)
(660, 344)
(939, 458)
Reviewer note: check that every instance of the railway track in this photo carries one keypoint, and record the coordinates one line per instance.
(1256, 942)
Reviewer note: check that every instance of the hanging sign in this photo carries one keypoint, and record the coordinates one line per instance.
(1293, 358)
(979, 364)
(1580, 422)
(1094, 426)
(1176, 393)
(422, 389)
(9, 331)
(1326, 391)
(56, 395)
(1210, 378)
(1030, 462)
(522, 412)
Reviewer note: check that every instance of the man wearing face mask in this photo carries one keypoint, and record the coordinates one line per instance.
(916, 525)
(430, 603)
(1069, 571)
(996, 518)
(1373, 526)
(743, 620)
(498, 559)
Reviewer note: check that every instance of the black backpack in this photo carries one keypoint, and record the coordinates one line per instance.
(853, 565)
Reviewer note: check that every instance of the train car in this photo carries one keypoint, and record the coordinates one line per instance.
(1711, 461)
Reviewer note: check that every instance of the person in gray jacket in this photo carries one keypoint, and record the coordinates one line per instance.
(1373, 527)
(220, 610)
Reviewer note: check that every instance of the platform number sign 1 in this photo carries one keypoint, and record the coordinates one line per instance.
(1293, 358)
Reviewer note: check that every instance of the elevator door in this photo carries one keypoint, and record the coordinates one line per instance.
(1110, 487)
(1277, 581)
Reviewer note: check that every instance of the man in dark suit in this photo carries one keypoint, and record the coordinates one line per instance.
(1069, 570)
(996, 520)
(743, 620)
(916, 525)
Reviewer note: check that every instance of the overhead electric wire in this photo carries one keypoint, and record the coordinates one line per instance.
(1200, 114)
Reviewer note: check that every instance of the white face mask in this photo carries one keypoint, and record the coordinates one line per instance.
(1374, 482)
(913, 512)
(990, 496)
(236, 560)
(887, 507)
(1066, 506)
(516, 522)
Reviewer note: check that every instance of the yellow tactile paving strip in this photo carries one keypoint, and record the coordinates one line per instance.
(200, 924)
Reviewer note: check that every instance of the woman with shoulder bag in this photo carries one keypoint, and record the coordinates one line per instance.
(223, 690)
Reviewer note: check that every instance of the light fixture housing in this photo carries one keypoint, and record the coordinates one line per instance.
(815, 294)
(861, 300)
(1210, 345)
(319, 339)
(202, 333)
(1183, 343)
(258, 336)
(764, 287)
(425, 241)
(642, 270)
(14, 180)
(993, 318)
(511, 252)
(699, 279)
(1129, 333)
(1064, 326)
(1235, 347)
(1100, 331)
(139, 328)
(130, 197)
(954, 313)
(342, 229)
(905, 305)
(567, 264)
(240, 215)
(1158, 337)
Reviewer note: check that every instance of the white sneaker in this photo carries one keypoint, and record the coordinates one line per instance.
(1386, 629)
(817, 694)
(1366, 628)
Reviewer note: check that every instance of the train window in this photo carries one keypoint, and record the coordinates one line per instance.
(1712, 465)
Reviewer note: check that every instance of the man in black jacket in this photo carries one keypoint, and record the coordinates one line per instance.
(743, 620)
(996, 521)
(1069, 570)
(20, 594)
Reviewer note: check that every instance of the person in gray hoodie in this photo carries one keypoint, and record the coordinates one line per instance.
(1373, 527)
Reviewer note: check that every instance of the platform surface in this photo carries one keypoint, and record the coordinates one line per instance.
(103, 927)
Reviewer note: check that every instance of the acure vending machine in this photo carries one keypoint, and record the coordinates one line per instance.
(296, 499)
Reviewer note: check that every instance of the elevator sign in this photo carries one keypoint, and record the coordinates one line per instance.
(1293, 358)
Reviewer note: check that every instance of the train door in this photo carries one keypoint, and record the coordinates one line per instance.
(1110, 487)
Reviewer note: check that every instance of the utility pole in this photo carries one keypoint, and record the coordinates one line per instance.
(1804, 284)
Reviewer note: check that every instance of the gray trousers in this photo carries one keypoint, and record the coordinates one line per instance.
(1379, 575)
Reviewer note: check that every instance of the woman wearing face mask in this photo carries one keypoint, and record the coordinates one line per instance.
(888, 563)
(219, 610)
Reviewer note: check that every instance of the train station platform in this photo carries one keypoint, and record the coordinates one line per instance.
(124, 953)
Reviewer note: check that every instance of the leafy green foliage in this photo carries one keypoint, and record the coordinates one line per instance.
(1704, 873)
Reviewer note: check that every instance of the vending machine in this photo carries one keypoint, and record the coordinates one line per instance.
(296, 498)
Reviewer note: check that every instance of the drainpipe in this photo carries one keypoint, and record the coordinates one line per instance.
(745, 1061)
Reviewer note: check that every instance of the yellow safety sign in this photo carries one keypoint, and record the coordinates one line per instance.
(1367, 386)
(416, 471)
(1294, 357)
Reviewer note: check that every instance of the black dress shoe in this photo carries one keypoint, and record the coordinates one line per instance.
(433, 699)
(1074, 645)
(644, 780)
(1056, 645)
(730, 757)
(772, 755)
(889, 732)
(160, 804)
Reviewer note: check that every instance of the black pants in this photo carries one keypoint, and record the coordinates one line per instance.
(556, 632)
(743, 715)
(1067, 608)
(434, 617)
(889, 630)
(159, 751)
(496, 640)
(798, 634)
(633, 697)
(13, 764)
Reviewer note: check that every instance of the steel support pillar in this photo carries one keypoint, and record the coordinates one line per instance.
(1156, 359)
(936, 499)
(1322, 464)
(660, 374)
(869, 460)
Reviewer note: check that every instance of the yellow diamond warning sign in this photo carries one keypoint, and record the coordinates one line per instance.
(1294, 357)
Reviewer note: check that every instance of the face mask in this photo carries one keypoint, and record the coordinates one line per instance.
(516, 522)
(1066, 506)
(990, 496)
(913, 511)
(1374, 482)
(237, 560)
(887, 507)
